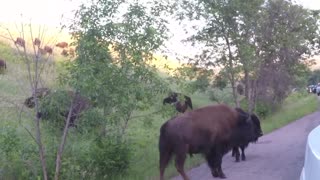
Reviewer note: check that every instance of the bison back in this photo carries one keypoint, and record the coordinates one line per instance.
(202, 128)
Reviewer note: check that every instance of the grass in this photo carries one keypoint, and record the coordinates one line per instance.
(295, 107)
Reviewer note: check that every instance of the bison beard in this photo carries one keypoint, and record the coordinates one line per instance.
(211, 131)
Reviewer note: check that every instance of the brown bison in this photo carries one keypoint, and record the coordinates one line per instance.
(42, 51)
(20, 41)
(212, 131)
(80, 104)
(65, 53)
(242, 145)
(180, 106)
(39, 93)
(48, 49)
(72, 52)
(37, 42)
(3, 64)
(62, 45)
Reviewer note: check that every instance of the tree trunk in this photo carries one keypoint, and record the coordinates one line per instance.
(63, 140)
(232, 74)
(246, 85)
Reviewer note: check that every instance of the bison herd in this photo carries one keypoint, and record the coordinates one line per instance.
(211, 131)
(42, 51)
(46, 49)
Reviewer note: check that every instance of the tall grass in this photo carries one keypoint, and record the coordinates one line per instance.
(296, 106)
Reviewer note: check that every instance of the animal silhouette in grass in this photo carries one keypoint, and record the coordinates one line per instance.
(181, 106)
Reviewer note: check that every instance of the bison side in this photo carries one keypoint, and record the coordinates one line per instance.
(211, 131)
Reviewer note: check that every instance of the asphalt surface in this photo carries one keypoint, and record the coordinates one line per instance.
(276, 156)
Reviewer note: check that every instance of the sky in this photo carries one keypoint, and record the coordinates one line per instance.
(52, 12)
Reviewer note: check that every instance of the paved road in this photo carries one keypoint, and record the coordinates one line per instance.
(276, 156)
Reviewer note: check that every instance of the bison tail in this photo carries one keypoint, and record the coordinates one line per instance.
(165, 149)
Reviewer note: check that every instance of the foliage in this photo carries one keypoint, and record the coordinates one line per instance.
(54, 106)
(109, 157)
(115, 42)
(314, 77)
(259, 42)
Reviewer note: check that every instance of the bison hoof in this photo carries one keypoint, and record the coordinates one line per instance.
(222, 176)
(243, 158)
(237, 160)
(215, 173)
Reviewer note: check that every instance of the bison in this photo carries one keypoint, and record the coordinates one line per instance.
(72, 52)
(20, 41)
(212, 131)
(80, 104)
(37, 42)
(242, 145)
(39, 93)
(62, 45)
(65, 53)
(48, 49)
(3, 64)
(180, 107)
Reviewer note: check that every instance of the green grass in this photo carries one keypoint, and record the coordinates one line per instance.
(295, 107)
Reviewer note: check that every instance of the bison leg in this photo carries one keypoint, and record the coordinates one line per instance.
(180, 159)
(211, 159)
(243, 156)
(214, 159)
(164, 160)
(235, 152)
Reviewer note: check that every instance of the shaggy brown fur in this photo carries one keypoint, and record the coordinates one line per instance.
(48, 49)
(80, 104)
(20, 41)
(3, 64)
(37, 42)
(65, 53)
(39, 93)
(62, 45)
(196, 131)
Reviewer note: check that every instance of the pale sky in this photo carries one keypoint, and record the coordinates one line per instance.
(50, 12)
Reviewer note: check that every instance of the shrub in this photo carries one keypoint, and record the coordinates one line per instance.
(107, 158)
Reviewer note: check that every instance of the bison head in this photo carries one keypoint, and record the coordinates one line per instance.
(249, 126)
(256, 127)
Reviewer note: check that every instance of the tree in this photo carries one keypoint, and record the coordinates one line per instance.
(115, 40)
(252, 40)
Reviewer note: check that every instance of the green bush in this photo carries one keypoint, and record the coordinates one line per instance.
(261, 109)
(54, 106)
(16, 162)
(107, 158)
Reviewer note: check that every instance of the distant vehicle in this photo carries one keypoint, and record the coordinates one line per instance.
(311, 88)
(310, 170)
(318, 90)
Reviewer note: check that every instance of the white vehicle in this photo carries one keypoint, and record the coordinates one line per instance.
(311, 169)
